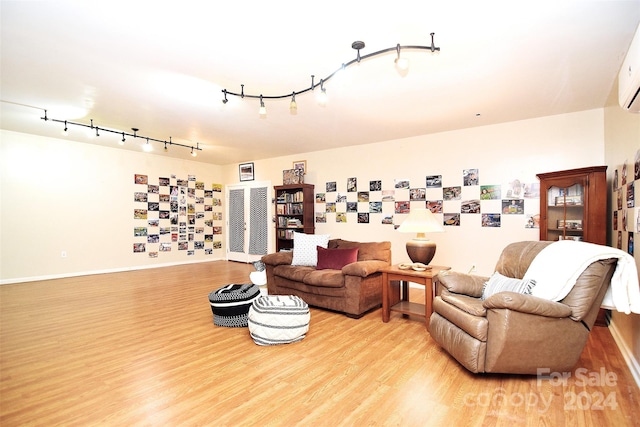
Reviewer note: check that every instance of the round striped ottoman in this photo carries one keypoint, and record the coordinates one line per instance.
(230, 304)
(278, 319)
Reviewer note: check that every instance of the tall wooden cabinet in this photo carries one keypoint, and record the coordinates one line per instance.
(573, 205)
(294, 213)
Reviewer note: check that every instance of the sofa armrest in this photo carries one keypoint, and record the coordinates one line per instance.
(461, 283)
(278, 258)
(527, 304)
(364, 268)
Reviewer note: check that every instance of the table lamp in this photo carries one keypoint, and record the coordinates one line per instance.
(421, 221)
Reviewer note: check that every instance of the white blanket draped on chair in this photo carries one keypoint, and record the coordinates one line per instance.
(557, 267)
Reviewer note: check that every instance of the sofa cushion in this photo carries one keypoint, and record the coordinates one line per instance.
(335, 259)
(367, 250)
(325, 278)
(305, 248)
(499, 283)
(297, 274)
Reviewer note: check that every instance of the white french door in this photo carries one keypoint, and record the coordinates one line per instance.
(248, 237)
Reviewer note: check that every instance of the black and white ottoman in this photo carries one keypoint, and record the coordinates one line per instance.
(230, 304)
(278, 319)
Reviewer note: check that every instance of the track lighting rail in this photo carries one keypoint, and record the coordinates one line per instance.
(357, 45)
(122, 133)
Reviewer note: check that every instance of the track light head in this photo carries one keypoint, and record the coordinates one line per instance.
(122, 141)
(193, 153)
(65, 131)
(147, 147)
(293, 105)
(357, 45)
(263, 110)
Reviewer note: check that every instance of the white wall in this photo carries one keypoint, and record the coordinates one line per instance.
(500, 152)
(622, 141)
(58, 195)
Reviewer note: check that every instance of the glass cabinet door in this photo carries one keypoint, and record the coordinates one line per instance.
(565, 216)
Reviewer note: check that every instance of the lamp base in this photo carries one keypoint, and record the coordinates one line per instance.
(421, 250)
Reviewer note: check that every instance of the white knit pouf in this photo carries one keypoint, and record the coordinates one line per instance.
(278, 319)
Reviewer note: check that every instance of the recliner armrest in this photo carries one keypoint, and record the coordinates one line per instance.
(527, 304)
(278, 258)
(461, 283)
(364, 268)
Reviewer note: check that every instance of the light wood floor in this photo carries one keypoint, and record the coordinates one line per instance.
(140, 348)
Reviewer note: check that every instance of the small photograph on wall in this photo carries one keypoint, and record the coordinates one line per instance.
(434, 206)
(615, 220)
(630, 244)
(216, 188)
(320, 198)
(352, 185)
(139, 214)
(388, 195)
(619, 198)
(490, 192)
(140, 179)
(352, 206)
(451, 219)
(341, 217)
(139, 247)
(363, 196)
(321, 217)
(532, 221)
(491, 220)
(375, 207)
(139, 231)
(637, 217)
(434, 181)
(153, 189)
(451, 193)
(515, 189)
(636, 166)
(403, 207)
(153, 254)
(630, 195)
(624, 174)
(470, 177)
(153, 222)
(532, 190)
(363, 218)
(164, 182)
(513, 207)
(470, 206)
(387, 219)
(619, 246)
(341, 198)
(330, 207)
(401, 183)
(331, 186)
(139, 197)
(375, 185)
(417, 194)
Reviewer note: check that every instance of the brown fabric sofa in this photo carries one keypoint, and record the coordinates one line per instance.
(353, 290)
(511, 332)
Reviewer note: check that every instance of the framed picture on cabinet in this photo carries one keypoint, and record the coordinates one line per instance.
(300, 165)
(246, 172)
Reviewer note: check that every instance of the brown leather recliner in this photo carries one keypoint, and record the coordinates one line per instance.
(511, 332)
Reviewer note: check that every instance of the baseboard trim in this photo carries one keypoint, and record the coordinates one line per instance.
(89, 273)
(632, 363)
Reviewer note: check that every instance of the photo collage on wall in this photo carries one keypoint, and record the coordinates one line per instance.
(368, 203)
(172, 213)
(626, 213)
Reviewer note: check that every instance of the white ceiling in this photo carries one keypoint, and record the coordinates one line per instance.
(160, 66)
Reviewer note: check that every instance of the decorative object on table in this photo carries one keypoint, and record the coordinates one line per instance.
(292, 176)
(278, 319)
(246, 172)
(230, 304)
(421, 221)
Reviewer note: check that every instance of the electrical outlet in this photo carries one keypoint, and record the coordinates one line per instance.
(63, 254)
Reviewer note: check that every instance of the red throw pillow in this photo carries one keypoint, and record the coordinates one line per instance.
(335, 259)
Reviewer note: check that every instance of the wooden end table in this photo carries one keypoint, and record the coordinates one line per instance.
(393, 301)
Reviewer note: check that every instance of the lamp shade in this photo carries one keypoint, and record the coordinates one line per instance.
(421, 221)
